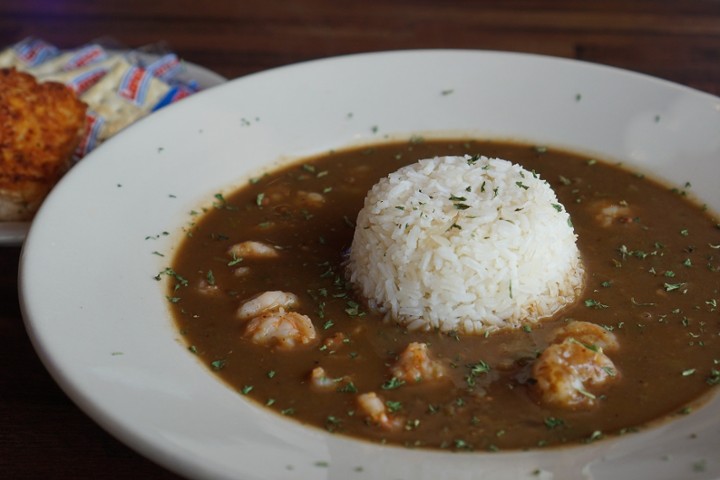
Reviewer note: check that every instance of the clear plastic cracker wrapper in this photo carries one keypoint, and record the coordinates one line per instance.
(119, 86)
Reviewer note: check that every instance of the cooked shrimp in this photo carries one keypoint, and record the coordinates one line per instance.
(207, 288)
(252, 249)
(241, 271)
(320, 380)
(608, 213)
(285, 330)
(588, 334)
(568, 374)
(334, 342)
(265, 302)
(415, 365)
(374, 408)
(310, 199)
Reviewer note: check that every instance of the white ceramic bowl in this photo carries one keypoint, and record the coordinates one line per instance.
(100, 322)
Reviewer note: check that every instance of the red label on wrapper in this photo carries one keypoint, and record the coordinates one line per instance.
(134, 85)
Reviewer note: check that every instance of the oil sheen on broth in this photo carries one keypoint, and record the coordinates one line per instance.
(652, 262)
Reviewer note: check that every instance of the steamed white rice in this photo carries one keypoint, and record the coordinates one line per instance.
(464, 244)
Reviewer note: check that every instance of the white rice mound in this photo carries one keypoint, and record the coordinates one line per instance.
(470, 245)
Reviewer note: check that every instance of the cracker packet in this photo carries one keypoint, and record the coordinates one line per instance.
(27, 54)
(126, 93)
(70, 60)
(82, 79)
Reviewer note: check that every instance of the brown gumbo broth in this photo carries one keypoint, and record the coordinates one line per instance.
(652, 279)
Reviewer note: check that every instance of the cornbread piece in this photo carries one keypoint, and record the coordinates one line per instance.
(40, 126)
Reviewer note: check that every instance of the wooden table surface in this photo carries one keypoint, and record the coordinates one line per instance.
(43, 434)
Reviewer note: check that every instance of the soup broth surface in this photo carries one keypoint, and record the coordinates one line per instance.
(651, 279)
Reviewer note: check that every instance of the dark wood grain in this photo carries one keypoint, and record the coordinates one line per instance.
(43, 435)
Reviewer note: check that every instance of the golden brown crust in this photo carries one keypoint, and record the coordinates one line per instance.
(40, 127)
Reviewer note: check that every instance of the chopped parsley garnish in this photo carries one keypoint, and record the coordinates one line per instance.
(591, 303)
(554, 422)
(671, 287)
(476, 369)
(353, 309)
(349, 387)
(392, 384)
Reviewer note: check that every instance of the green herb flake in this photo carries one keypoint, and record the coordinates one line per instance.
(591, 303)
(221, 200)
(476, 369)
(353, 309)
(218, 364)
(554, 422)
(234, 260)
(585, 393)
(473, 159)
(349, 387)
(246, 389)
(172, 273)
(671, 287)
(392, 384)
(714, 377)
(332, 423)
(461, 445)
(259, 199)
(699, 466)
